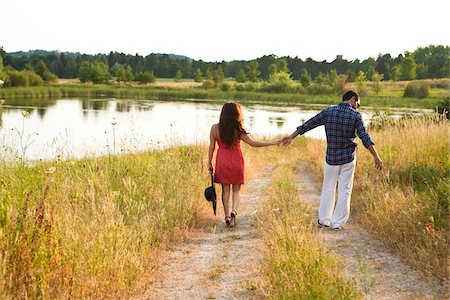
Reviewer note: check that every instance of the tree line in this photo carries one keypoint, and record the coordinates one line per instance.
(425, 62)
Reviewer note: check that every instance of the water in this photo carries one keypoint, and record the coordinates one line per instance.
(77, 128)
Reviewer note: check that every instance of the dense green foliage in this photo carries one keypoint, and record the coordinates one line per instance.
(426, 62)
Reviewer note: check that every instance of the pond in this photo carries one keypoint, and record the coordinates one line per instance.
(65, 128)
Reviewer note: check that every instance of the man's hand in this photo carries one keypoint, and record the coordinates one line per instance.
(378, 163)
(286, 140)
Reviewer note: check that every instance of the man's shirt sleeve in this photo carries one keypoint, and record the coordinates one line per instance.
(362, 133)
(312, 123)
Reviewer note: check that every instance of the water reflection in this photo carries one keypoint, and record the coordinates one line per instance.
(83, 127)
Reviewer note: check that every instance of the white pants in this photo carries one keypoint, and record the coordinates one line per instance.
(343, 176)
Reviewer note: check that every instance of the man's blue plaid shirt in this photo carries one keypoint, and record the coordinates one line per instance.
(341, 123)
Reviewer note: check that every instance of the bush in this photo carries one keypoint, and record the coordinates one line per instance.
(281, 82)
(247, 87)
(319, 89)
(226, 87)
(22, 78)
(208, 84)
(145, 77)
(416, 90)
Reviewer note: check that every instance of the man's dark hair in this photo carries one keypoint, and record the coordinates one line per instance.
(348, 95)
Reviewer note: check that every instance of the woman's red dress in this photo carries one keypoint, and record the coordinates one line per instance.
(229, 164)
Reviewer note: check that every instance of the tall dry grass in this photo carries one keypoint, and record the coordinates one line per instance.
(406, 204)
(92, 228)
(298, 266)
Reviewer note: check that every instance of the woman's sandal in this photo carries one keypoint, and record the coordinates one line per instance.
(228, 221)
(233, 218)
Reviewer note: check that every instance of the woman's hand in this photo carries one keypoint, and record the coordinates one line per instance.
(286, 140)
(210, 168)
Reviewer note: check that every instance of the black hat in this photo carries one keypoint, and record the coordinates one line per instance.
(210, 194)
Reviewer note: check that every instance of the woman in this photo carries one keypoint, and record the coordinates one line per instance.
(229, 169)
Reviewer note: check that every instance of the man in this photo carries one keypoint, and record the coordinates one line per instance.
(341, 123)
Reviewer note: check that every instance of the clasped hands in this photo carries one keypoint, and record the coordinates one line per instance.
(284, 141)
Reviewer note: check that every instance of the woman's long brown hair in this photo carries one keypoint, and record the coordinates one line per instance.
(230, 123)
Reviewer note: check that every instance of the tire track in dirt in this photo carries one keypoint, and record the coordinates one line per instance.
(378, 273)
(219, 263)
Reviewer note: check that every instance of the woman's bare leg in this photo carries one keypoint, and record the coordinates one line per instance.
(236, 197)
(226, 199)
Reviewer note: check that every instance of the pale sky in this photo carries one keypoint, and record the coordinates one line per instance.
(217, 30)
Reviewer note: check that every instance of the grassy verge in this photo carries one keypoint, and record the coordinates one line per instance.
(170, 93)
(406, 205)
(92, 228)
(298, 264)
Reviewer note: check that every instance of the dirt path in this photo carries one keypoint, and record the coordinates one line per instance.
(220, 263)
(379, 274)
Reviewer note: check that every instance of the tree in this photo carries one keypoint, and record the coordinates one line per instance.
(283, 65)
(332, 78)
(253, 71)
(85, 72)
(395, 73)
(272, 69)
(209, 73)
(96, 72)
(321, 78)
(305, 78)
(382, 65)
(198, 76)
(435, 58)
(101, 73)
(422, 71)
(361, 82)
(241, 76)
(178, 75)
(376, 78)
(408, 68)
(218, 75)
(123, 73)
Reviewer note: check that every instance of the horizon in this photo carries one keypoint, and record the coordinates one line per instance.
(187, 57)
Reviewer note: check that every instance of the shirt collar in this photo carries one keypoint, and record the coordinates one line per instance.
(346, 104)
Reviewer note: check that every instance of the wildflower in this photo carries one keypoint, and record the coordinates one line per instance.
(25, 114)
(2, 101)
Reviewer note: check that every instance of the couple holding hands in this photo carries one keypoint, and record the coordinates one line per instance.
(342, 123)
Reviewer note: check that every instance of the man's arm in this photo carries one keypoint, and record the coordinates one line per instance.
(376, 157)
(312, 123)
(368, 143)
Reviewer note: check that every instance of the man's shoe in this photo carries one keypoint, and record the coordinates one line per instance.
(321, 225)
(338, 228)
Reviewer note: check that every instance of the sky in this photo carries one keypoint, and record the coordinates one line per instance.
(217, 30)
